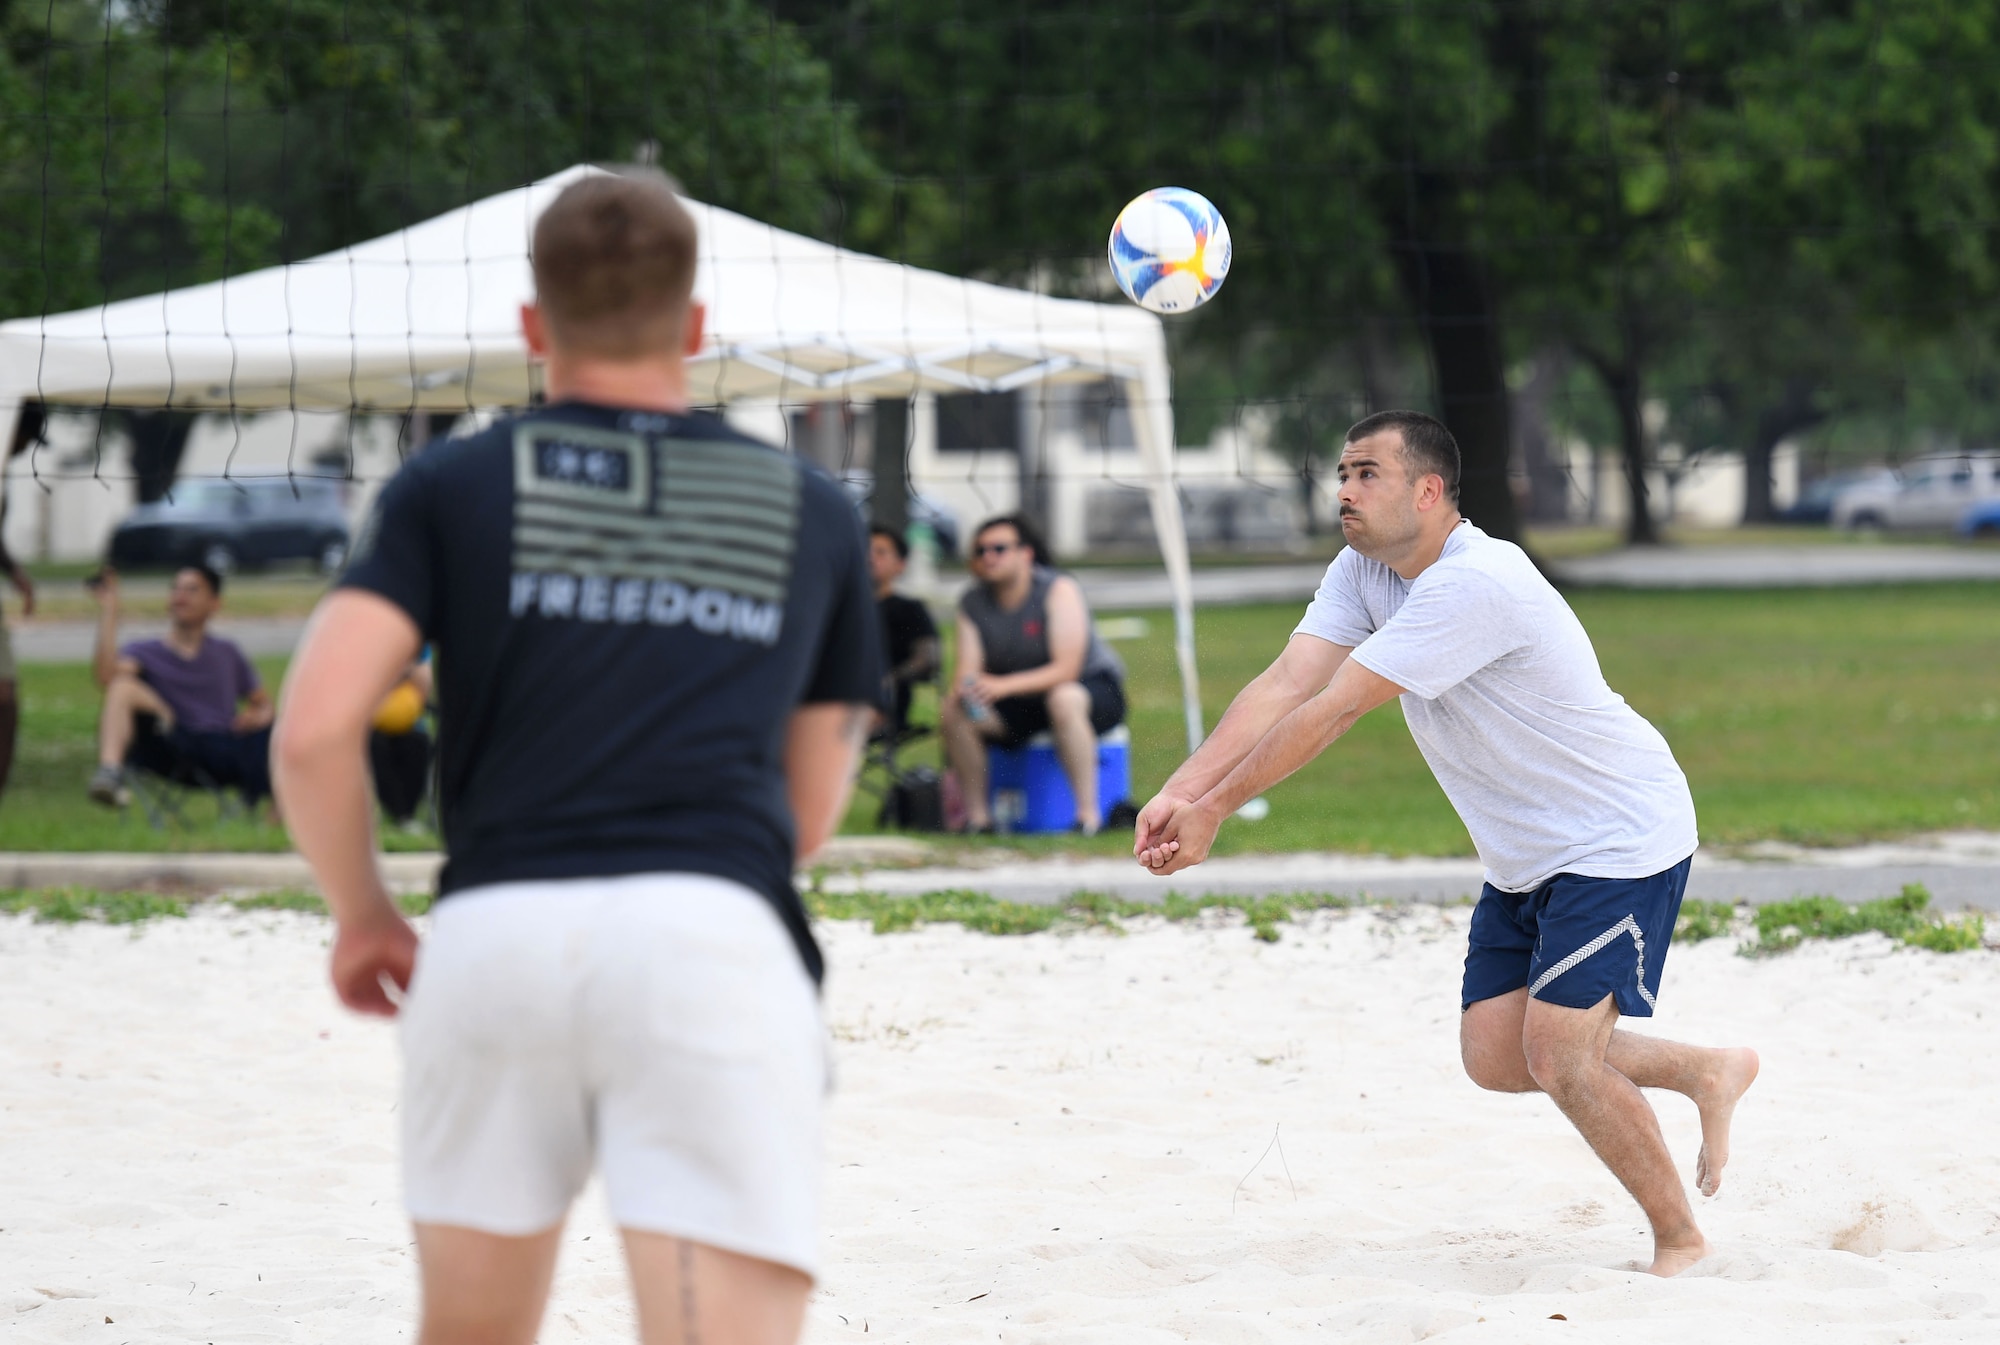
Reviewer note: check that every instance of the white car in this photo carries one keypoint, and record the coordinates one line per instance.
(1932, 492)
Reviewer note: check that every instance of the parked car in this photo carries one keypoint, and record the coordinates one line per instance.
(1930, 492)
(229, 524)
(1815, 502)
(1982, 520)
(860, 483)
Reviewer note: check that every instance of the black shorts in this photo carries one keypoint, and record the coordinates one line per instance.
(240, 761)
(1023, 717)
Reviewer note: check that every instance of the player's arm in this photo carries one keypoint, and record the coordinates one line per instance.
(357, 646)
(1305, 668)
(922, 662)
(105, 663)
(968, 674)
(1069, 643)
(1295, 739)
(821, 748)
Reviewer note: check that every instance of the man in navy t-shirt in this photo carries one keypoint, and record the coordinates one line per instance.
(656, 652)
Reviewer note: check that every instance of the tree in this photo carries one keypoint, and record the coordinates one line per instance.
(85, 156)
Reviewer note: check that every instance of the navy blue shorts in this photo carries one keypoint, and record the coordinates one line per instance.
(1574, 940)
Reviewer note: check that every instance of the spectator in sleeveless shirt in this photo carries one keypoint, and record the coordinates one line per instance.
(1028, 661)
(206, 701)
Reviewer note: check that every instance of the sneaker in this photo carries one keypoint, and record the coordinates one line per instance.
(107, 787)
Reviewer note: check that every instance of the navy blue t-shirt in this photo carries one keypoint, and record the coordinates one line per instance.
(627, 607)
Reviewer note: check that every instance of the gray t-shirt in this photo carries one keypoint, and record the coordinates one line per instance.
(1551, 771)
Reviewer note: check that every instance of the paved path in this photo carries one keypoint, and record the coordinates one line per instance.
(1955, 881)
(1960, 871)
(1781, 566)
(1720, 566)
(73, 641)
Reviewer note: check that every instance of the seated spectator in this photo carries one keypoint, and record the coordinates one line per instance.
(210, 715)
(399, 751)
(909, 636)
(1028, 661)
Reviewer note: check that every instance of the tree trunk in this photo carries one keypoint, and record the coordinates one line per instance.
(1625, 387)
(889, 506)
(1775, 424)
(158, 440)
(1548, 480)
(1461, 327)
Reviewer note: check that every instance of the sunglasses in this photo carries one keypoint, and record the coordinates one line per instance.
(994, 549)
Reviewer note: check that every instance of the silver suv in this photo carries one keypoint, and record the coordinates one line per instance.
(1932, 492)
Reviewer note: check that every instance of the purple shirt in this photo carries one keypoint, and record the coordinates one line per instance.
(202, 691)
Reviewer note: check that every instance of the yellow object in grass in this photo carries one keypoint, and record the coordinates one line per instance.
(400, 709)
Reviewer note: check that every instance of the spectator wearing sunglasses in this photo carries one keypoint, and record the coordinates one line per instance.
(1028, 662)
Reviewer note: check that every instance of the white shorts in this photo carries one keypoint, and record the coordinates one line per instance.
(661, 1023)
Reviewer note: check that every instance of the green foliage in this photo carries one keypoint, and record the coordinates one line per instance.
(312, 903)
(171, 141)
(291, 899)
(983, 914)
(68, 905)
(1906, 916)
(1700, 920)
(89, 180)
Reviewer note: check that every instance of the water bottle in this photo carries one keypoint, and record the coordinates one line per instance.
(975, 712)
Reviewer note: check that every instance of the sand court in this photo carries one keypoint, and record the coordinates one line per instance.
(1178, 1133)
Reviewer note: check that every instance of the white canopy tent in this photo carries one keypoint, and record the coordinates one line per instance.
(428, 318)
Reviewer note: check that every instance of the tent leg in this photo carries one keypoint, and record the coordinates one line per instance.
(1153, 425)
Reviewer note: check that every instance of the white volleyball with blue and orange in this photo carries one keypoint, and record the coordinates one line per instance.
(1170, 250)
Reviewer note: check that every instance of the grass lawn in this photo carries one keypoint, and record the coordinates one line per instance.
(45, 808)
(1819, 716)
(1823, 717)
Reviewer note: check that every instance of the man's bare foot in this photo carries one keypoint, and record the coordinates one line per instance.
(1670, 1259)
(1717, 1101)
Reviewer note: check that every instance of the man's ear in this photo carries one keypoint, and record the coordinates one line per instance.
(533, 331)
(693, 328)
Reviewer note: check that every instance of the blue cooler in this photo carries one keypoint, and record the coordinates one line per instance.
(1028, 791)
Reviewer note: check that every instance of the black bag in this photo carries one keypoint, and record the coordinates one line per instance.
(914, 801)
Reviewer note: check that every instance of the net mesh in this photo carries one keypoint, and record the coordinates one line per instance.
(1653, 262)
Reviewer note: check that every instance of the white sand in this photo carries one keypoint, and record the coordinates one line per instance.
(1047, 1139)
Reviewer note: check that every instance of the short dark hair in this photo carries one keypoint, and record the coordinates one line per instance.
(210, 576)
(896, 539)
(614, 262)
(1428, 448)
(1024, 528)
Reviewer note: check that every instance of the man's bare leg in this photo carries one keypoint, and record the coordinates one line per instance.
(1565, 1050)
(124, 700)
(692, 1294)
(1076, 748)
(1713, 1078)
(481, 1288)
(965, 749)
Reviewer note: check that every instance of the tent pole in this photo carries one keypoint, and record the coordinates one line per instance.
(1151, 401)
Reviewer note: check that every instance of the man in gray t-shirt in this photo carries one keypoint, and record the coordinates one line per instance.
(1574, 802)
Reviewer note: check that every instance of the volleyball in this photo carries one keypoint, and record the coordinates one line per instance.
(1170, 250)
(400, 710)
